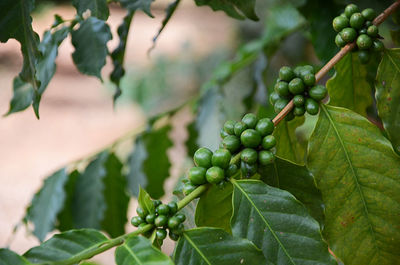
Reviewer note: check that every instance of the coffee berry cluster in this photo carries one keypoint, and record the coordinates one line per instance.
(165, 217)
(299, 85)
(353, 25)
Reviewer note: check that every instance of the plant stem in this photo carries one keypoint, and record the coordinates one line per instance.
(329, 65)
(193, 195)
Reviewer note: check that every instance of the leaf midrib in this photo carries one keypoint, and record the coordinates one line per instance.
(265, 221)
(196, 248)
(355, 176)
(132, 253)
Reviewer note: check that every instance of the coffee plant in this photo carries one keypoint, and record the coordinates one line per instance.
(319, 183)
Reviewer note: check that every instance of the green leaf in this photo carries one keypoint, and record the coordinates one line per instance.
(133, 5)
(234, 8)
(91, 38)
(191, 142)
(277, 223)
(139, 251)
(98, 8)
(215, 246)
(149, 162)
(349, 87)
(214, 208)
(89, 203)
(47, 203)
(145, 201)
(65, 217)
(8, 257)
(388, 95)
(358, 174)
(298, 181)
(66, 245)
(118, 55)
(288, 145)
(23, 95)
(16, 22)
(116, 197)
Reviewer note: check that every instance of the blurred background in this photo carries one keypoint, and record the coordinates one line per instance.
(77, 113)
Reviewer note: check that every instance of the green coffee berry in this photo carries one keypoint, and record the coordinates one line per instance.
(162, 209)
(368, 14)
(364, 56)
(307, 69)
(296, 86)
(362, 31)
(202, 157)
(250, 120)
(340, 23)
(247, 169)
(231, 170)
(150, 218)
(173, 222)
(136, 221)
(280, 104)
(348, 34)
(266, 157)
(318, 92)
(221, 158)
(286, 74)
(368, 23)
(311, 106)
(364, 42)
(273, 97)
(298, 100)
(161, 234)
(265, 126)
(373, 31)
(268, 142)
(142, 225)
(181, 217)
(161, 221)
(350, 10)
(249, 155)
(229, 126)
(357, 21)
(197, 175)
(290, 116)
(173, 207)
(141, 212)
(377, 46)
(223, 133)
(239, 128)
(173, 236)
(250, 138)
(231, 143)
(156, 203)
(309, 79)
(188, 188)
(299, 111)
(179, 229)
(215, 175)
(282, 88)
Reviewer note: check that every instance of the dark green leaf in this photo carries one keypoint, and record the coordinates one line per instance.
(89, 203)
(145, 201)
(388, 95)
(298, 181)
(358, 175)
(133, 5)
(23, 95)
(214, 208)
(8, 257)
(191, 142)
(349, 87)
(139, 251)
(136, 177)
(288, 145)
(234, 8)
(98, 8)
(277, 223)
(116, 197)
(66, 245)
(215, 246)
(91, 38)
(118, 55)
(65, 217)
(47, 203)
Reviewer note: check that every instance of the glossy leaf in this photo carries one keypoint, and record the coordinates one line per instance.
(358, 174)
(98, 8)
(215, 246)
(297, 180)
(47, 203)
(133, 5)
(214, 208)
(65, 217)
(8, 257)
(116, 197)
(118, 55)
(139, 251)
(278, 224)
(288, 145)
(66, 245)
(235, 9)
(89, 203)
(91, 38)
(23, 95)
(388, 95)
(145, 201)
(349, 87)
